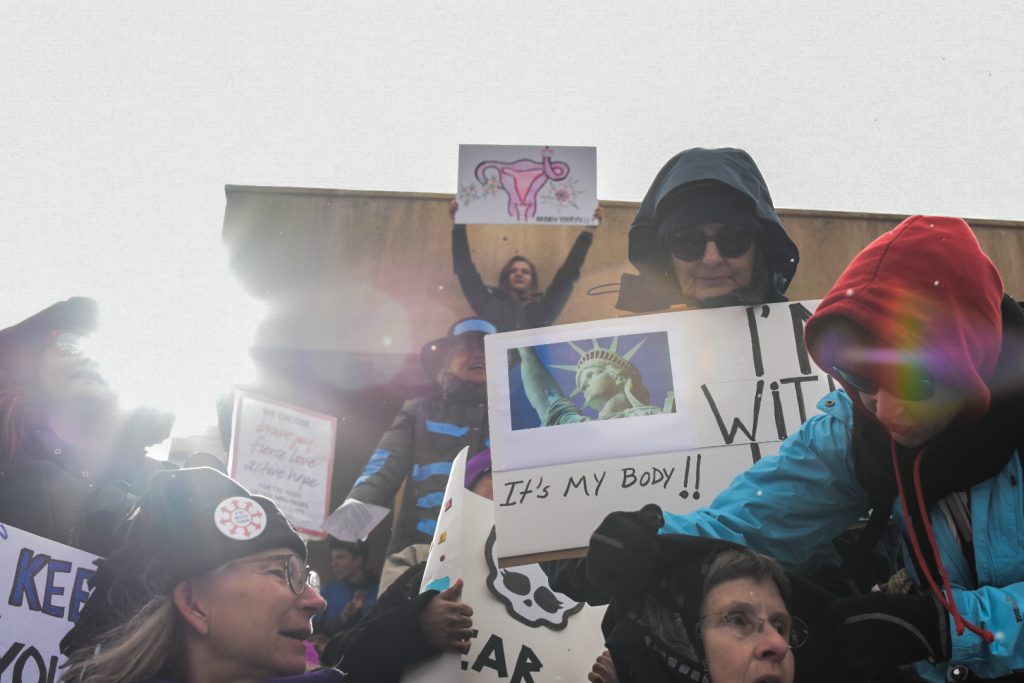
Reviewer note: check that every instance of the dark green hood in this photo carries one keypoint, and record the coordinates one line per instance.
(655, 288)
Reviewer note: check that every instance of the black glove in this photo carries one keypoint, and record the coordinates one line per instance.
(880, 630)
(623, 559)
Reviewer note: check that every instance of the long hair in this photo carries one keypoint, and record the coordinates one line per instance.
(133, 651)
(21, 404)
(503, 279)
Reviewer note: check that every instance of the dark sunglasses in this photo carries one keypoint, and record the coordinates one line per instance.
(911, 382)
(732, 241)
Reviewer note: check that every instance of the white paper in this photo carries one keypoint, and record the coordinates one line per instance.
(286, 453)
(724, 384)
(44, 588)
(353, 520)
(523, 184)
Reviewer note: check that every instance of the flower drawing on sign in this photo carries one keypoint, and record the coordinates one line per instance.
(562, 195)
(522, 180)
(525, 591)
(468, 194)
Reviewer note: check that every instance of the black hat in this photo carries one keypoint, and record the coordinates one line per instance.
(703, 203)
(189, 522)
(77, 314)
(433, 353)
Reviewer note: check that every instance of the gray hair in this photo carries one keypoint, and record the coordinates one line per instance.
(134, 650)
(743, 563)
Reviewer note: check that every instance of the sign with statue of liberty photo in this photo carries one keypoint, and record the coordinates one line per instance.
(613, 414)
(527, 184)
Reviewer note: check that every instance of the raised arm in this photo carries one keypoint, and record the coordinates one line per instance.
(541, 388)
(547, 309)
(473, 288)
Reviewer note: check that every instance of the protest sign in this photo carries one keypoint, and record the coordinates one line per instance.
(612, 414)
(513, 184)
(525, 631)
(45, 589)
(285, 453)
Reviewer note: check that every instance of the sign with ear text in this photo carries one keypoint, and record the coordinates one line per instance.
(610, 415)
(45, 585)
(286, 453)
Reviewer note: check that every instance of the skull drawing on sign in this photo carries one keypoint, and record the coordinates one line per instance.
(525, 591)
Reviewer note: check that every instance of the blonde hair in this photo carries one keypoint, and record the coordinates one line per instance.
(135, 650)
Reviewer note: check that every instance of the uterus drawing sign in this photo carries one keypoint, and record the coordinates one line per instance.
(522, 180)
(507, 184)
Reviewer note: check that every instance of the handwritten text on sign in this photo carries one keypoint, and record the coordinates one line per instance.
(743, 381)
(285, 453)
(45, 588)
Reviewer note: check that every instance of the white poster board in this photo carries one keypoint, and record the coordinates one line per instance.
(516, 184)
(721, 388)
(44, 589)
(524, 630)
(286, 453)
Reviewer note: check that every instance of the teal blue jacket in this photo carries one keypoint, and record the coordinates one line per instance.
(791, 507)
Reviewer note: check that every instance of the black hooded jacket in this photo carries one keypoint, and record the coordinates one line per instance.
(656, 288)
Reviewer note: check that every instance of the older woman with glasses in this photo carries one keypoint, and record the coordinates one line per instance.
(706, 236)
(72, 459)
(209, 585)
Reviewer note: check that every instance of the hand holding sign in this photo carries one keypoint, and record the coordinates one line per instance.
(445, 621)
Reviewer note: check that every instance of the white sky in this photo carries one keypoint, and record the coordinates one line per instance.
(120, 123)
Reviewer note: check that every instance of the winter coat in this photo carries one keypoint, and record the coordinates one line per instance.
(318, 676)
(46, 490)
(656, 287)
(389, 638)
(421, 444)
(505, 310)
(925, 286)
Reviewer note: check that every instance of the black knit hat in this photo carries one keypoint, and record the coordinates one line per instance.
(77, 314)
(189, 522)
(703, 203)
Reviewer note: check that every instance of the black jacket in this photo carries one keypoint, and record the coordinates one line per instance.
(504, 309)
(421, 444)
(48, 491)
(656, 288)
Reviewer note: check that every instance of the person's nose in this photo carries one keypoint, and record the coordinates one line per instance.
(770, 643)
(312, 601)
(888, 408)
(711, 256)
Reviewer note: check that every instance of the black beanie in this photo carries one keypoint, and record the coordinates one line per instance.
(189, 522)
(703, 203)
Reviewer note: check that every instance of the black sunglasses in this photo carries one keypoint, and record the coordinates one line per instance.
(732, 241)
(914, 383)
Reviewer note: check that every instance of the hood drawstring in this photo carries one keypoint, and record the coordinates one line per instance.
(945, 594)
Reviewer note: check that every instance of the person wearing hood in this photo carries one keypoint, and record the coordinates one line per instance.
(927, 428)
(424, 439)
(517, 302)
(208, 585)
(72, 460)
(707, 235)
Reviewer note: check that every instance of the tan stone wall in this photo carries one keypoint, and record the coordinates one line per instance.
(365, 271)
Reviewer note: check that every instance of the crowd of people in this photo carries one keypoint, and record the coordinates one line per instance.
(924, 439)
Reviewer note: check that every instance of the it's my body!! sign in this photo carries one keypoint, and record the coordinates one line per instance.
(613, 414)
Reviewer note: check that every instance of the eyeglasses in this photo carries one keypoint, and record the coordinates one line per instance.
(68, 343)
(911, 382)
(296, 574)
(732, 241)
(743, 623)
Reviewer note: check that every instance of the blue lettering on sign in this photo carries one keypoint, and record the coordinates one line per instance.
(25, 591)
(446, 428)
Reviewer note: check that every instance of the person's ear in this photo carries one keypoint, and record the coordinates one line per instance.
(186, 597)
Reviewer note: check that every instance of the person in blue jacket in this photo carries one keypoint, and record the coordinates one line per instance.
(928, 426)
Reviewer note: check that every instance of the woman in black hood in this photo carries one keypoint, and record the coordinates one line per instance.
(707, 235)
